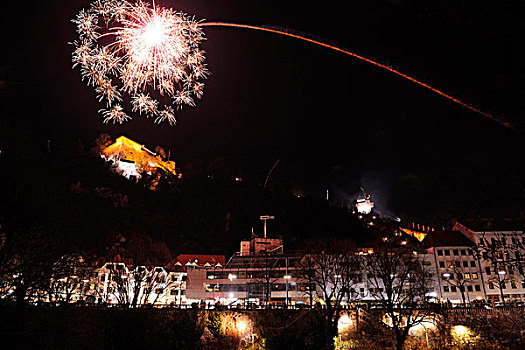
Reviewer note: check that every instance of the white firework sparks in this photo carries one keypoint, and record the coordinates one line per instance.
(145, 51)
(108, 92)
(166, 114)
(115, 114)
(144, 104)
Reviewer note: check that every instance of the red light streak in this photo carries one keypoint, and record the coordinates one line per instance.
(365, 59)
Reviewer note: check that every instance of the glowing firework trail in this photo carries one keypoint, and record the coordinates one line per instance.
(154, 52)
(362, 58)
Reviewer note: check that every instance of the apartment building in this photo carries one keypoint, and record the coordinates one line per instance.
(500, 249)
(457, 273)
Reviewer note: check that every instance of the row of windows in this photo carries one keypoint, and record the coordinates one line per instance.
(175, 291)
(460, 276)
(454, 289)
(502, 269)
(457, 263)
(243, 274)
(503, 241)
(503, 285)
(258, 287)
(456, 252)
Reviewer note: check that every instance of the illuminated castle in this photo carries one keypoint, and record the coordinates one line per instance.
(364, 205)
(131, 159)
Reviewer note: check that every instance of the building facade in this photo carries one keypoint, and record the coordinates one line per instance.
(499, 247)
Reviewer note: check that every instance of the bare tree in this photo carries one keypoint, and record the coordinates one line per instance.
(399, 281)
(27, 263)
(69, 277)
(267, 273)
(455, 277)
(330, 267)
(138, 287)
(147, 280)
(501, 255)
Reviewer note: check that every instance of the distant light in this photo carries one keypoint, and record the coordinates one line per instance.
(460, 332)
(241, 326)
(231, 295)
(287, 277)
(231, 276)
(404, 242)
(344, 323)
(501, 272)
(446, 275)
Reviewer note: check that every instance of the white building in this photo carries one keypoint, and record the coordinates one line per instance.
(458, 274)
(500, 248)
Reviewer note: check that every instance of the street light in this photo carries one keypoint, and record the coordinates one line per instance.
(287, 277)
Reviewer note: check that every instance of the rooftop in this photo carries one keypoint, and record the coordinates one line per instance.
(446, 239)
(484, 225)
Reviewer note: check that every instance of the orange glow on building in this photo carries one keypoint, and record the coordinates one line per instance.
(420, 236)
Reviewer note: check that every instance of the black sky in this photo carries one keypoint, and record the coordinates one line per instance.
(335, 122)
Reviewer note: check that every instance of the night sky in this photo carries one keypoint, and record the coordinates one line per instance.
(333, 121)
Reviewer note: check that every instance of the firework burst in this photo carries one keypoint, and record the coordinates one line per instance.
(142, 54)
(147, 50)
(114, 114)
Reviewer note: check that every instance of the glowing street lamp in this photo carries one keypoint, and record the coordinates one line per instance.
(287, 277)
(241, 327)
